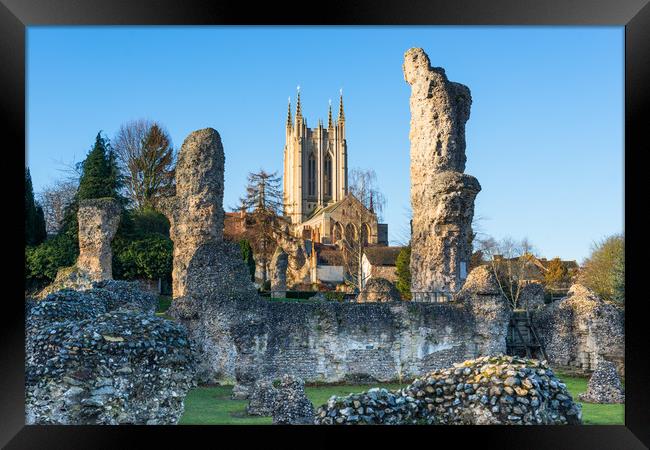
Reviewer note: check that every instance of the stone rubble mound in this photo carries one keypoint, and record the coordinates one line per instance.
(604, 385)
(500, 389)
(95, 357)
(290, 404)
(261, 398)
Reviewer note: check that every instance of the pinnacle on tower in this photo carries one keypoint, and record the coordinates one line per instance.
(371, 209)
(289, 113)
(329, 116)
(341, 115)
(298, 110)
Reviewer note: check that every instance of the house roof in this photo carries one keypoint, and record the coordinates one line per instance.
(328, 255)
(382, 255)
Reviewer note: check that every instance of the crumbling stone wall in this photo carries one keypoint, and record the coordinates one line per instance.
(243, 337)
(195, 213)
(582, 329)
(379, 290)
(100, 357)
(98, 222)
(442, 196)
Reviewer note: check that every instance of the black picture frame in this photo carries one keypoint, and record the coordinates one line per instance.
(16, 15)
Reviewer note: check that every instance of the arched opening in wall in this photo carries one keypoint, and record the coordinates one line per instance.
(350, 232)
(365, 233)
(336, 232)
(327, 176)
(311, 175)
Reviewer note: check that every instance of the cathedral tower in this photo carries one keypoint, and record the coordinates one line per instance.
(315, 163)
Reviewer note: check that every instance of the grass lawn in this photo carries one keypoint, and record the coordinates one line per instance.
(211, 405)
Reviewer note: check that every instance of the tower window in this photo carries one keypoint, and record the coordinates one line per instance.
(311, 175)
(327, 176)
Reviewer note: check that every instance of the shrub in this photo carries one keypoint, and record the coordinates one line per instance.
(43, 261)
(148, 257)
(604, 270)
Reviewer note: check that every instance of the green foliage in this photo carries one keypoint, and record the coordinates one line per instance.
(402, 264)
(99, 172)
(147, 257)
(247, 255)
(338, 296)
(43, 261)
(142, 248)
(34, 217)
(604, 270)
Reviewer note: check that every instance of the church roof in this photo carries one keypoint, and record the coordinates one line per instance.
(328, 255)
(382, 255)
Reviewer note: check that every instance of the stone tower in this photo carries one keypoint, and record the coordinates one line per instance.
(442, 196)
(315, 163)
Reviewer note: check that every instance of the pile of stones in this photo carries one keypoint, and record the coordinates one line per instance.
(101, 357)
(290, 404)
(261, 398)
(498, 389)
(284, 399)
(604, 385)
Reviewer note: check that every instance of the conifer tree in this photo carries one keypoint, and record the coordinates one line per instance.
(34, 217)
(404, 272)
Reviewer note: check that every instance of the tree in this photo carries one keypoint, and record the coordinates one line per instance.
(363, 185)
(509, 261)
(604, 270)
(34, 221)
(99, 178)
(247, 255)
(100, 175)
(353, 243)
(146, 158)
(556, 275)
(55, 199)
(263, 204)
(402, 264)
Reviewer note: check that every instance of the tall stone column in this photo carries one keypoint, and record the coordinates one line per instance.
(98, 221)
(442, 196)
(195, 213)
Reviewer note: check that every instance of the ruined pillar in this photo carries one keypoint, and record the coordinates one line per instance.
(195, 213)
(279, 264)
(98, 221)
(442, 196)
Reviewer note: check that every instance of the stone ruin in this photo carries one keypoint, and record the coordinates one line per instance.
(379, 290)
(442, 196)
(290, 405)
(492, 390)
(582, 329)
(101, 357)
(195, 213)
(98, 221)
(604, 385)
(279, 264)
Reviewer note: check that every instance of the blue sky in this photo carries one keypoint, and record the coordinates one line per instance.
(545, 136)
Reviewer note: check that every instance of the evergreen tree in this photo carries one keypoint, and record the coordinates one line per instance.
(404, 272)
(247, 255)
(34, 217)
(99, 172)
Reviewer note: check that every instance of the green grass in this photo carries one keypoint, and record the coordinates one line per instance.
(211, 405)
(164, 302)
(593, 413)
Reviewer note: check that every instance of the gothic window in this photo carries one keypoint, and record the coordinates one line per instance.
(327, 176)
(365, 233)
(311, 175)
(337, 232)
(350, 232)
